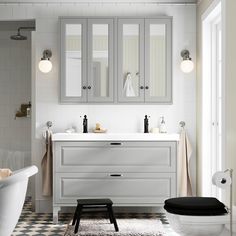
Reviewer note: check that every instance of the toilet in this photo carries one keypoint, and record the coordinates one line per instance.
(198, 216)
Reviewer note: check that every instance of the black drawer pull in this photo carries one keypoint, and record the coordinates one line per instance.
(115, 144)
(116, 175)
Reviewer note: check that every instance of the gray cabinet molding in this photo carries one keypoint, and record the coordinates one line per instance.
(137, 173)
(63, 85)
(146, 93)
(167, 98)
(120, 77)
(110, 79)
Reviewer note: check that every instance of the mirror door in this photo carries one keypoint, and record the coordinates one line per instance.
(130, 60)
(73, 60)
(100, 60)
(158, 60)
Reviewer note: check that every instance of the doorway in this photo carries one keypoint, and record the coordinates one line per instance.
(212, 145)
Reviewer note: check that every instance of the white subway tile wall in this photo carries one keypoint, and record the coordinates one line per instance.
(116, 118)
(15, 88)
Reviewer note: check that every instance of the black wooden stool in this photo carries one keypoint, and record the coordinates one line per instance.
(92, 204)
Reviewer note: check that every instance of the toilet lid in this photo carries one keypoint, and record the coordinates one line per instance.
(195, 206)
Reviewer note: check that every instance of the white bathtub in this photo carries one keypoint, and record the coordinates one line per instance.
(12, 197)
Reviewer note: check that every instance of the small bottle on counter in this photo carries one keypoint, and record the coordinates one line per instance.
(162, 127)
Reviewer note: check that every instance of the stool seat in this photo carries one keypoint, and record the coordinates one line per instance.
(199, 206)
(97, 202)
(92, 204)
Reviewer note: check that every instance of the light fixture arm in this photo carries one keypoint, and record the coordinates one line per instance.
(47, 54)
(185, 54)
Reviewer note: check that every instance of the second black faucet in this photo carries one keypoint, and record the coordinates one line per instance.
(146, 124)
(85, 124)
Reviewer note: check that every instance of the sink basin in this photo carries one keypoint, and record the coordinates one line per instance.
(114, 137)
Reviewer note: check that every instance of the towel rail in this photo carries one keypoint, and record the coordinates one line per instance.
(49, 125)
(182, 124)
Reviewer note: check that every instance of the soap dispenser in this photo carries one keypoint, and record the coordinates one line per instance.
(162, 127)
(146, 124)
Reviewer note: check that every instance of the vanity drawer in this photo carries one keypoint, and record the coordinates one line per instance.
(126, 189)
(115, 156)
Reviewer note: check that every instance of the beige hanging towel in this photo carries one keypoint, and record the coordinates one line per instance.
(184, 155)
(46, 165)
(4, 173)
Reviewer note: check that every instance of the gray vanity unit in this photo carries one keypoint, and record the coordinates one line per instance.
(131, 169)
(97, 54)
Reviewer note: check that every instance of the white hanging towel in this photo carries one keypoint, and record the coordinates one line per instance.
(184, 155)
(128, 87)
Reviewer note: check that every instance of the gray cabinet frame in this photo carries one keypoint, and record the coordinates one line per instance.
(110, 23)
(63, 97)
(168, 93)
(115, 63)
(120, 77)
(94, 166)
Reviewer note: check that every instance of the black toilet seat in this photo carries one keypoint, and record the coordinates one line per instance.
(196, 206)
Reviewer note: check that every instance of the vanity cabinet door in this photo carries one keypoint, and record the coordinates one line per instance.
(73, 60)
(158, 60)
(100, 60)
(130, 60)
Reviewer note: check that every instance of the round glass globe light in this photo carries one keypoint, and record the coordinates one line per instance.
(187, 66)
(45, 66)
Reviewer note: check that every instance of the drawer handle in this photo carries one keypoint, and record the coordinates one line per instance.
(116, 175)
(115, 144)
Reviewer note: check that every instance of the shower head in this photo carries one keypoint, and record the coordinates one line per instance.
(18, 36)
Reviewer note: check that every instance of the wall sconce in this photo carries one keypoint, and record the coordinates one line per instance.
(45, 65)
(186, 65)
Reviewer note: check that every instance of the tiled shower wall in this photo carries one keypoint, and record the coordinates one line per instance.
(15, 88)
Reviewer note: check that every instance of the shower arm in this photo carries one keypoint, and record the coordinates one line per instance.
(24, 28)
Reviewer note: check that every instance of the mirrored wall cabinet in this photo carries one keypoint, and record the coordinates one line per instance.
(116, 60)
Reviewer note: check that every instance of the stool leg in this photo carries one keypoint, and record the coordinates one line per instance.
(75, 215)
(79, 212)
(109, 214)
(113, 218)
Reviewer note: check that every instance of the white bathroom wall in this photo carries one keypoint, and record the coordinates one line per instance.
(229, 9)
(116, 118)
(15, 88)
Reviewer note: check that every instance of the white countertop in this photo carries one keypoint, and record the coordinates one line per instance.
(114, 137)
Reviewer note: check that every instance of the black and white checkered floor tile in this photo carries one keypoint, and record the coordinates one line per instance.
(37, 224)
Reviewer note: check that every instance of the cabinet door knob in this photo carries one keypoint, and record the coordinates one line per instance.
(89, 87)
(146, 87)
(84, 87)
(141, 87)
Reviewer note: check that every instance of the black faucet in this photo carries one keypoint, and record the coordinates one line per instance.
(85, 124)
(146, 124)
